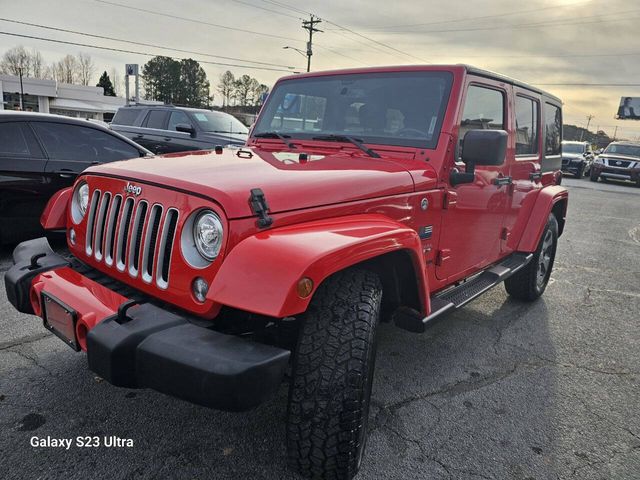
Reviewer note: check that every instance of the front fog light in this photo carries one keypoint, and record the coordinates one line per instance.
(72, 236)
(200, 287)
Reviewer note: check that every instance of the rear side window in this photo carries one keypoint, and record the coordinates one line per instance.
(527, 126)
(83, 144)
(553, 129)
(156, 119)
(12, 140)
(125, 116)
(178, 118)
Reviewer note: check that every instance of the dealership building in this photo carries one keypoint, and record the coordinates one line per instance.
(49, 96)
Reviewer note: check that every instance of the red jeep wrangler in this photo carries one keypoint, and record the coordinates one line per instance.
(385, 194)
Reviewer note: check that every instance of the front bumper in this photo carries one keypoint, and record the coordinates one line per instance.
(623, 174)
(572, 166)
(146, 346)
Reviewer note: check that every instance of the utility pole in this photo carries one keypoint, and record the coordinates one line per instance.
(21, 89)
(309, 25)
(589, 118)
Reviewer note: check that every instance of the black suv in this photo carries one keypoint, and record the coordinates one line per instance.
(577, 158)
(619, 161)
(168, 129)
(41, 154)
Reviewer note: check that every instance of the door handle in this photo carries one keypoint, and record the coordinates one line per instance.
(65, 175)
(167, 139)
(535, 176)
(500, 181)
(140, 135)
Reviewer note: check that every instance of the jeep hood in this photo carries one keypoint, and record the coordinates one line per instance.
(288, 183)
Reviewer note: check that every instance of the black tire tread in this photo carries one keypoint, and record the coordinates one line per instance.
(330, 388)
(522, 285)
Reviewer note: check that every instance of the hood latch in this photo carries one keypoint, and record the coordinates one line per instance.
(260, 207)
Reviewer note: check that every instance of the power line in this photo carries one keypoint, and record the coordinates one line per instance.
(75, 32)
(482, 17)
(193, 20)
(552, 23)
(266, 9)
(382, 44)
(99, 47)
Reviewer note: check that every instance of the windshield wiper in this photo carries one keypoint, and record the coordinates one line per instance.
(346, 138)
(281, 136)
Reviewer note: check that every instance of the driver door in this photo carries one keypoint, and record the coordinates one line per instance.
(474, 212)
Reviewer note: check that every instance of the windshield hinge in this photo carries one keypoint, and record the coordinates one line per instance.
(260, 207)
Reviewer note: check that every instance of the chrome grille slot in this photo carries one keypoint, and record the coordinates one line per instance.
(136, 238)
(123, 234)
(150, 241)
(91, 220)
(114, 215)
(166, 247)
(100, 225)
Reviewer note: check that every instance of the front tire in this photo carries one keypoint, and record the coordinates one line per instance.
(593, 177)
(580, 171)
(530, 283)
(332, 377)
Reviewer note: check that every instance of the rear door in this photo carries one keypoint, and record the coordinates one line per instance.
(73, 148)
(525, 169)
(24, 189)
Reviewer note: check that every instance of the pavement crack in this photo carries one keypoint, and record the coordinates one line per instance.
(34, 360)
(24, 340)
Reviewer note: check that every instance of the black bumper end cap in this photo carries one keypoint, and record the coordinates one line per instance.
(30, 258)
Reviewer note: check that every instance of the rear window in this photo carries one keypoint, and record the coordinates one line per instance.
(12, 141)
(83, 144)
(125, 116)
(553, 129)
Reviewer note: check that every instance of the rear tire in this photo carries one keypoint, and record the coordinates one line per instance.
(593, 177)
(332, 376)
(530, 283)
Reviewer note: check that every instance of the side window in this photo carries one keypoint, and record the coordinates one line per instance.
(527, 126)
(12, 140)
(178, 117)
(483, 110)
(553, 129)
(155, 119)
(82, 144)
(126, 116)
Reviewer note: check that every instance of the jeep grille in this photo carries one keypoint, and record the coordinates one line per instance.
(131, 236)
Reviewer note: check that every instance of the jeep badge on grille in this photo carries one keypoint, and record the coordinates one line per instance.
(134, 189)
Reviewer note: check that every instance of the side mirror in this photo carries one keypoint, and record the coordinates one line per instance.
(480, 147)
(186, 128)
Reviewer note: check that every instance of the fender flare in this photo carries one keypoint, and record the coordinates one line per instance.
(260, 274)
(549, 199)
(54, 215)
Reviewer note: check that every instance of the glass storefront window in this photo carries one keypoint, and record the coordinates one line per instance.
(12, 102)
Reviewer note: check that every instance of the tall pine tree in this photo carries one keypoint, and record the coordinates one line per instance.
(105, 82)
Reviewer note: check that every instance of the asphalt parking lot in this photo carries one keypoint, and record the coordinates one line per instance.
(500, 390)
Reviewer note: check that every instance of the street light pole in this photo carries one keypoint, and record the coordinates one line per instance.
(21, 89)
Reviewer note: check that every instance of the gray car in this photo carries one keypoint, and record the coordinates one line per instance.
(168, 129)
(577, 158)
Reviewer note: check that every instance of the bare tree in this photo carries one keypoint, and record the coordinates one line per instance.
(66, 70)
(38, 68)
(226, 87)
(15, 60)
(85, 68)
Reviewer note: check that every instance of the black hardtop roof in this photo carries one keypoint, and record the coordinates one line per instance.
(503, 78)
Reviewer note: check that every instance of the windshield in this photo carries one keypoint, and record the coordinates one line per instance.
(219, 122)
(572, 148)
(400, 108)
(631, 150)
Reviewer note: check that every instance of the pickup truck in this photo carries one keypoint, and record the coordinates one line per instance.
(373, 195)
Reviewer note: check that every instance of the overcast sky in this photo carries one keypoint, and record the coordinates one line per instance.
(539, 42)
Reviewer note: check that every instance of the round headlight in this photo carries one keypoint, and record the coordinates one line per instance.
(207, 234)
(79, 202)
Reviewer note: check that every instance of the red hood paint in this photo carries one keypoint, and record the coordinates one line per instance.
(288, 183)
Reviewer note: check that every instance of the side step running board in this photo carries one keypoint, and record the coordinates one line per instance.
(456, 297)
